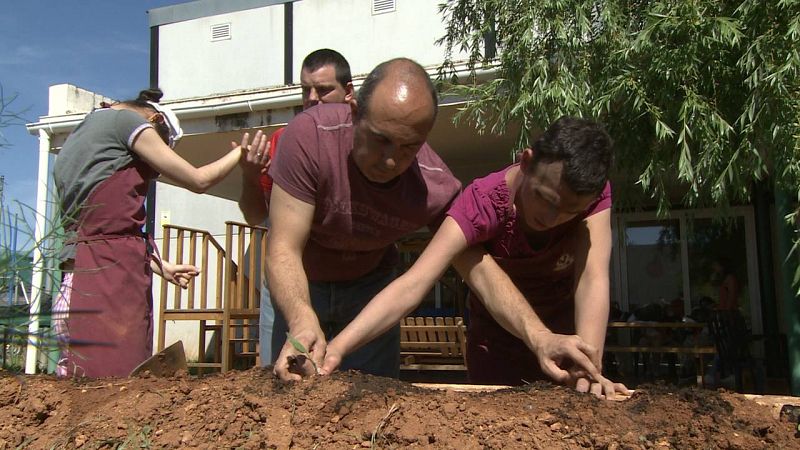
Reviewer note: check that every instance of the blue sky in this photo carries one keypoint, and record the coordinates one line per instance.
(99, 45)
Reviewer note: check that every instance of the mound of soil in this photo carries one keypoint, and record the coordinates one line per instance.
(251, 409)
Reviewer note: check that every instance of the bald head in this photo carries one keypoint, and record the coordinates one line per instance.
(394, 112)
(402, 86)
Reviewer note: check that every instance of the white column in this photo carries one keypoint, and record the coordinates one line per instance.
(37, 281)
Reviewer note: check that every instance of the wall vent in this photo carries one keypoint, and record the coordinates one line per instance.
(383, 6)
(220, 32)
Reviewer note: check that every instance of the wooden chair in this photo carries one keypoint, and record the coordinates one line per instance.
(433, 343)
(246, 247)
(228, 316)
(202, 301)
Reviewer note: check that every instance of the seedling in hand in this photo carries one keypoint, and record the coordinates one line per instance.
(302, 349)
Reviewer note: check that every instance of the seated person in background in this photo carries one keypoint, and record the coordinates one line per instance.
(533, 242)
(616, 314)
(729, 287)
(702, 312)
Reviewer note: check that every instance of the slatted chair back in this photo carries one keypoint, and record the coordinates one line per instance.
(433, 343)
(203, 300)
(246, 249)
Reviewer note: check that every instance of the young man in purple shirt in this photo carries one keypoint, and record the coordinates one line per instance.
(349, 180)
(533, 241)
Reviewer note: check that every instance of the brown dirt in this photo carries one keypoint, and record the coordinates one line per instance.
(251, 409)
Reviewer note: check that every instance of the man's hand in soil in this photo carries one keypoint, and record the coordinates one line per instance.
(604, 388)
(292, 364)
(565, 358)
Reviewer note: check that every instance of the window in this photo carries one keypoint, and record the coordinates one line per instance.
(653, 268)
(680, 263)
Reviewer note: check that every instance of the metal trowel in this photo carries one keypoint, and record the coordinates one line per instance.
(164, 363)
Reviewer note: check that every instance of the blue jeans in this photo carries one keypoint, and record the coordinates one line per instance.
(336, 305)
(266, 315)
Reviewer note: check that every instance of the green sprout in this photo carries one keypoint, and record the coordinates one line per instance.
(302, 349)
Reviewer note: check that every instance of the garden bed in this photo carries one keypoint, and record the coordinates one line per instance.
(251, 409)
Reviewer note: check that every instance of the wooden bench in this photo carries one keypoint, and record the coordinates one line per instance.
(698, 351)
(433, 343)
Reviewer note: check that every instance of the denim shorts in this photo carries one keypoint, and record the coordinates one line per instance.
(336, 305)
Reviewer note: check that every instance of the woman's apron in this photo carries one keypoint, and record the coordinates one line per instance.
(110, 316)
(495, 356)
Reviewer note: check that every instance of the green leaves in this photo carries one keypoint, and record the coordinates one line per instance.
(296, 344)
(302, 349)
(701, 96)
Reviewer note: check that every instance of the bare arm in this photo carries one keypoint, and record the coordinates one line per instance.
(178, 274)
(592, 296)
(511, 310)
(729, 293)
(149, 146)
(288, 283)
(400, 297)
(253, 201)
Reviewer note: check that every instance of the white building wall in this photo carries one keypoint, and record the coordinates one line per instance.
(183, 208)
(192, 65)
(64, 99)
(349, 27)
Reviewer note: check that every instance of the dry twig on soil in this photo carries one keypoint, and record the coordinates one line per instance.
(382, 423)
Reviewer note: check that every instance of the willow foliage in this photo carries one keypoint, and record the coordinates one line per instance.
(702, 97)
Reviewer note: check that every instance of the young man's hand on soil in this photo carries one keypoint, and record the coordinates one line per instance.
(292, 364)
(565, 358)
(604, 388)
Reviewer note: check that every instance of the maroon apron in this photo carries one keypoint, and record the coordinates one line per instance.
(110, 321)
(545, 278)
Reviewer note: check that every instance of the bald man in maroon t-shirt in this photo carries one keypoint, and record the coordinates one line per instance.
(349, 180)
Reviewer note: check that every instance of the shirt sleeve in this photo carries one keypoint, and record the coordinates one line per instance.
(602, 203)
(476, 212)
(296, 165)
(128, 125)
(265, 179)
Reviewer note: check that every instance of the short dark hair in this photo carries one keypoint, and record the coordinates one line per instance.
(379, 73)
(585, 149)
(324, 57)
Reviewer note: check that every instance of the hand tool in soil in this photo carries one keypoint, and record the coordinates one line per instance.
(164, 363)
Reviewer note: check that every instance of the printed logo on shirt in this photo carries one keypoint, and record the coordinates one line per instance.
(564, 262)
(363, 212)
